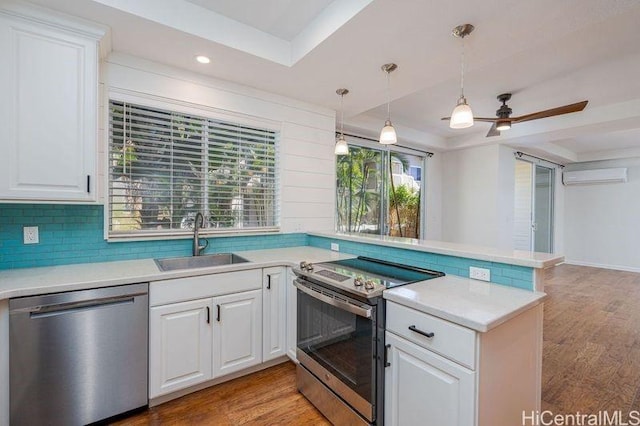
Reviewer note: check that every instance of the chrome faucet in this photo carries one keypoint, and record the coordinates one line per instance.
(197, 224)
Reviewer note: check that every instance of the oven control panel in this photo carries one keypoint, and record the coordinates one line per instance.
(332, 275)
(344, 278)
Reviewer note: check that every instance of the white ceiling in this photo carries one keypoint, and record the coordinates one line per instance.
(547, 53)
(284, 19)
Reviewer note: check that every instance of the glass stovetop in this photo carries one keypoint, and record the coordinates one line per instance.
(383, 273)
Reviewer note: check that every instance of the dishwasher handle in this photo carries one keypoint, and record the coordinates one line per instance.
(36, 312)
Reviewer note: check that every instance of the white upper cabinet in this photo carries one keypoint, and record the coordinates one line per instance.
(48, 108)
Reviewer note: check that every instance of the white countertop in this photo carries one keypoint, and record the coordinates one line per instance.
(511, 257)
(474, 304)
(53, 279)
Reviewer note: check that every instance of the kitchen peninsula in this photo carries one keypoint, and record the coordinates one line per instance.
(469, 303)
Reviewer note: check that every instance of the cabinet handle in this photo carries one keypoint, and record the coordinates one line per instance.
(268, 281)
(89, 183)
(386, 355)
(424, 333)
(208, 315)
(218, 314)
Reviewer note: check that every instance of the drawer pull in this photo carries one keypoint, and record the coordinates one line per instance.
(425, 334)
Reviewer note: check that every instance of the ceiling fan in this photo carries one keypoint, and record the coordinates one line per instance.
(503, 120)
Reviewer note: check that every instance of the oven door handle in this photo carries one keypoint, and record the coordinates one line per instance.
(354, 309)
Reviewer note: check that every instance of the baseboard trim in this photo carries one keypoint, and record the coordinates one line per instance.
(603, 266)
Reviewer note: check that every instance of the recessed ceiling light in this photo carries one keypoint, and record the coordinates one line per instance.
(203, 59)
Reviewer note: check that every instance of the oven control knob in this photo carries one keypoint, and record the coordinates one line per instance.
(310, 267)
(358, 281)
(369, 285)
(303, 265)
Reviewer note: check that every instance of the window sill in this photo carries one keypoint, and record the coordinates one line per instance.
(204, 233)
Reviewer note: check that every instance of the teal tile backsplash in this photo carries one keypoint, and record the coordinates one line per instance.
(501, 273)
(74, 234)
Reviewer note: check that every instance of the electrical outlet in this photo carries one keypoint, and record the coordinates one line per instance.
(31, 235)
(335, 246)
(479, 273)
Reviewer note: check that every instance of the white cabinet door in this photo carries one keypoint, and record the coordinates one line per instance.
(237, 332)
(425, 389)
(48, 112)
(179, 346)
(274, 318)
(292, 313)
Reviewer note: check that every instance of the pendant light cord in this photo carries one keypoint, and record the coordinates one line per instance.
(388, 98)
(462, 69)
(341, 116)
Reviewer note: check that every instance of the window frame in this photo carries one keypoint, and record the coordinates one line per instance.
(181, 107)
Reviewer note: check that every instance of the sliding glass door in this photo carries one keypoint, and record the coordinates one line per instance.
(379, 192)
(543, 209)
(533, 215)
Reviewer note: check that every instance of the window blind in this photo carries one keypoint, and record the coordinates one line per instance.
(165, 166)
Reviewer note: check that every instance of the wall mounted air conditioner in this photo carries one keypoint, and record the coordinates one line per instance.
(585, 177)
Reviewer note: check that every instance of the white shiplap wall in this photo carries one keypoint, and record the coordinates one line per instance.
(307, 162)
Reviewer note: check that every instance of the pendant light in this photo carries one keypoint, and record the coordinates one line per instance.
(462, 116)
(388, 133)
(341, 144)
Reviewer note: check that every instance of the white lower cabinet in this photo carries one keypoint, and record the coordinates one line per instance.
(203, 327)
(443, 374)
(292, 313)
(237, 332)
(180, 351)
(423, 388)
(274, 330)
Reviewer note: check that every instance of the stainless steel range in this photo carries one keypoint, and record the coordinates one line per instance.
(340, 341)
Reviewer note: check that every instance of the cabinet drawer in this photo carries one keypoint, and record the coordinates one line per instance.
(450, 340)
(191, 288)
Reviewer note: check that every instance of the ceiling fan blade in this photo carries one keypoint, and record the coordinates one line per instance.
(445, 118)
(485, 119)
(567, 109)
(493, 131)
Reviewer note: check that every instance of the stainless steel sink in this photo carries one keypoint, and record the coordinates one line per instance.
(205, 261)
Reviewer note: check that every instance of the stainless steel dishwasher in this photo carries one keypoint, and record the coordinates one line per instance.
(78, 357)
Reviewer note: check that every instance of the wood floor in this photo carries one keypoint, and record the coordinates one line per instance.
(268, 397)
(591, 358)
(591, 361)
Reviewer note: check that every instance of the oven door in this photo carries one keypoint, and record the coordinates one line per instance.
(336, 341)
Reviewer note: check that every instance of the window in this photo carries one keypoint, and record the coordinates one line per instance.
(378, 193)
(165, 166)
(416, 173)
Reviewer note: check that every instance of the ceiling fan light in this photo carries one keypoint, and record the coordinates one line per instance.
(388, 134)
(462, 116)
(341, 147)
(502, 125)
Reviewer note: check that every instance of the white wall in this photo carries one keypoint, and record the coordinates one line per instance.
(478, 196)
(307, 166)
(602, 221)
